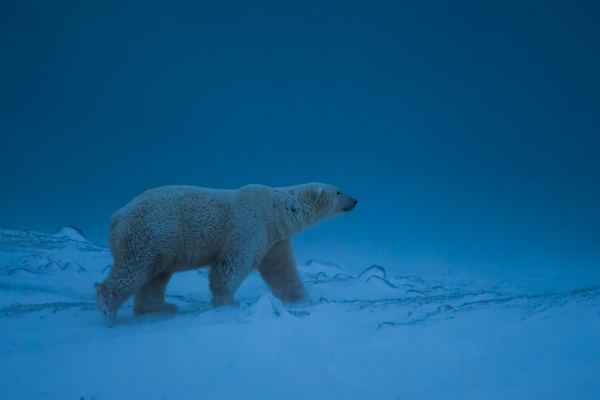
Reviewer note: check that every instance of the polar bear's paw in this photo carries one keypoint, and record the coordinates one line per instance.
(223, 301)
(148, 308)
(170, 308)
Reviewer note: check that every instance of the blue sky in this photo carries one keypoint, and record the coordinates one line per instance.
(468, 131)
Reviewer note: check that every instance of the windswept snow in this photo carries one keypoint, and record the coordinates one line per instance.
(267, 308)
(366, 335)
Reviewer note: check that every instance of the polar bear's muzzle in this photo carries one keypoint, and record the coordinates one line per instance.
(350, 204)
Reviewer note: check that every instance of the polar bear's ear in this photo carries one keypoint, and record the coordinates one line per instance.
(312, 193)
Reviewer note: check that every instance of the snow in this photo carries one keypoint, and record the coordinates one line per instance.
(367, 335)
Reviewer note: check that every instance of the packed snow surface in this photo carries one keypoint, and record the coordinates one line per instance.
(367, 335)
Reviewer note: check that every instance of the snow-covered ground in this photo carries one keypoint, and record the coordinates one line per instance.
(366, 335)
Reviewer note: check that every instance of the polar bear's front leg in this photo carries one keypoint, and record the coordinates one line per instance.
(227, 275)
(124, 280)
(278, 270)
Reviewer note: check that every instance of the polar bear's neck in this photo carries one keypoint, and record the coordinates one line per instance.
(290, 215)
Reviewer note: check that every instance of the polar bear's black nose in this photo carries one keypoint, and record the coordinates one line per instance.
(355, 202)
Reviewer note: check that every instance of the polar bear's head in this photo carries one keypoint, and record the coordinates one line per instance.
(325, 201)
(298, 207)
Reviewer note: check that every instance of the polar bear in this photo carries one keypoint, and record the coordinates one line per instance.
(178, 228)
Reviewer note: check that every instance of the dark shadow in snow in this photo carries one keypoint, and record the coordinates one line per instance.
(375, 278)
(342, 277)
(18, 309)
(375, 270)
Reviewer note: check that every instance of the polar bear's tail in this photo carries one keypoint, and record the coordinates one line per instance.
(103, 301)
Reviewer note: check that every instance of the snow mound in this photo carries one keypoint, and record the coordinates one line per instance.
(70, 232)
(267, 308)
(73, 267)
(50, 268)
(375, 270)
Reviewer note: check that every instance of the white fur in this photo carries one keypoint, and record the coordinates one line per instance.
(178, 228)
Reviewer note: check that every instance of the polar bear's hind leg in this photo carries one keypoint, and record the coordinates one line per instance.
(227, 275)
(151, 297)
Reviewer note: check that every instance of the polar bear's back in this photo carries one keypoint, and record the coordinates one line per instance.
(180, 222)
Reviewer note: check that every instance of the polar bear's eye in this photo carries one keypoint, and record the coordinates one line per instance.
(293, 209)
(338, 193)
